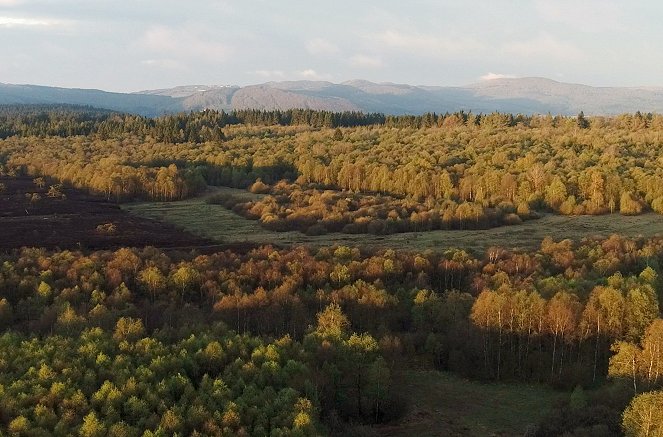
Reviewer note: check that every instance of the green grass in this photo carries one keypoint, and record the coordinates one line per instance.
(442, 404)
(218, 223)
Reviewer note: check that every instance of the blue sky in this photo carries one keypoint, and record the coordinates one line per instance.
(143, 44)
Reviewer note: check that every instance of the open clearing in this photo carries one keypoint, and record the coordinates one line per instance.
(73, 222)
(442, 404)
(222, 225)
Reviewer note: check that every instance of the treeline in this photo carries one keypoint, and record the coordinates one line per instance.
(194, 127)
(68, 120)
(507, 163)
(49, 120)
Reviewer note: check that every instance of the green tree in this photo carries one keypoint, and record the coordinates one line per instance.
(582, 121)
(128, 329)
(92, 427)
(153, 280)
(185, 278)
(644, 415)
(626, 362)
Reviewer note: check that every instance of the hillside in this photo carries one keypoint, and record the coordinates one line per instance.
(149, 105)
(522, 95)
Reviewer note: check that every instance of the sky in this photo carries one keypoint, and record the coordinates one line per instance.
(120, 45)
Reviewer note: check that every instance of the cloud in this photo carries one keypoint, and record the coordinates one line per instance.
(9, 3)
(31, 22)
(365, 61)
(269, 74)
(492, 76)
(310, 74)
(319, 46)
(426, 44)
(545, 46)
(183, 42)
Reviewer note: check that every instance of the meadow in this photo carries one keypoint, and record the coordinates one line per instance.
(445, 405)
(218, 223)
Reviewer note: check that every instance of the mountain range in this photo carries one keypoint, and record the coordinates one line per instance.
(517, 95)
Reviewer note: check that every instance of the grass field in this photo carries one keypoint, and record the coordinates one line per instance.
(442, 404)
(218, 223)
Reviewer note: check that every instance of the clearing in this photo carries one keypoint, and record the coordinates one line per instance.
(217, 223)
(442, 404)
(78, 221)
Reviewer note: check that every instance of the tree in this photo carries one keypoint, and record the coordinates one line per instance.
(641, 308)
(153, 280)
(489, 314)
(359, 352)
(92, 427)
(629, 204)
(379, 381)
(578, 399)
(128, 329)
(652, 352)
(19, 426)
(185, 277)
(6, 313)
(581, 121)
(171, 422)
(562, 314)
(625, 362)
(332, 322)
(603, 318)
(644, 415)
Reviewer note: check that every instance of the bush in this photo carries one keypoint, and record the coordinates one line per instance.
(316, 229)
(512, 219)
(107, 228)
(259, 187)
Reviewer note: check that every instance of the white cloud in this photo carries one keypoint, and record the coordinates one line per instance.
(31, 22)
(184, 42)
(365, 61)
(545, 46)
(310, 74)
(492, 76)
(319, 46)
(426, 44)
(269, 74)
(10, 3)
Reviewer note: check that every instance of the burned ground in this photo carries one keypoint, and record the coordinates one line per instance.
(30, 217)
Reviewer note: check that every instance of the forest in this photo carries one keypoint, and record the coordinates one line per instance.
(280, 341)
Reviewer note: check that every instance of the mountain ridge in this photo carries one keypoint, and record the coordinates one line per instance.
(528, 95)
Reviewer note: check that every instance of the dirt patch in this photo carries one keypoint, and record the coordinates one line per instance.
(30, 217)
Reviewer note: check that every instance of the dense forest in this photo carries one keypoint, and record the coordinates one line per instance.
(276, 341)
(463, 170)
(296, 342)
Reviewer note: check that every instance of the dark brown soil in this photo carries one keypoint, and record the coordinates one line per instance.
(78, 221)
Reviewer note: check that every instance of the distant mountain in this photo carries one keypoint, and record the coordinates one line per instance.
(566, 98)
(522, 95)
(134, 103)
